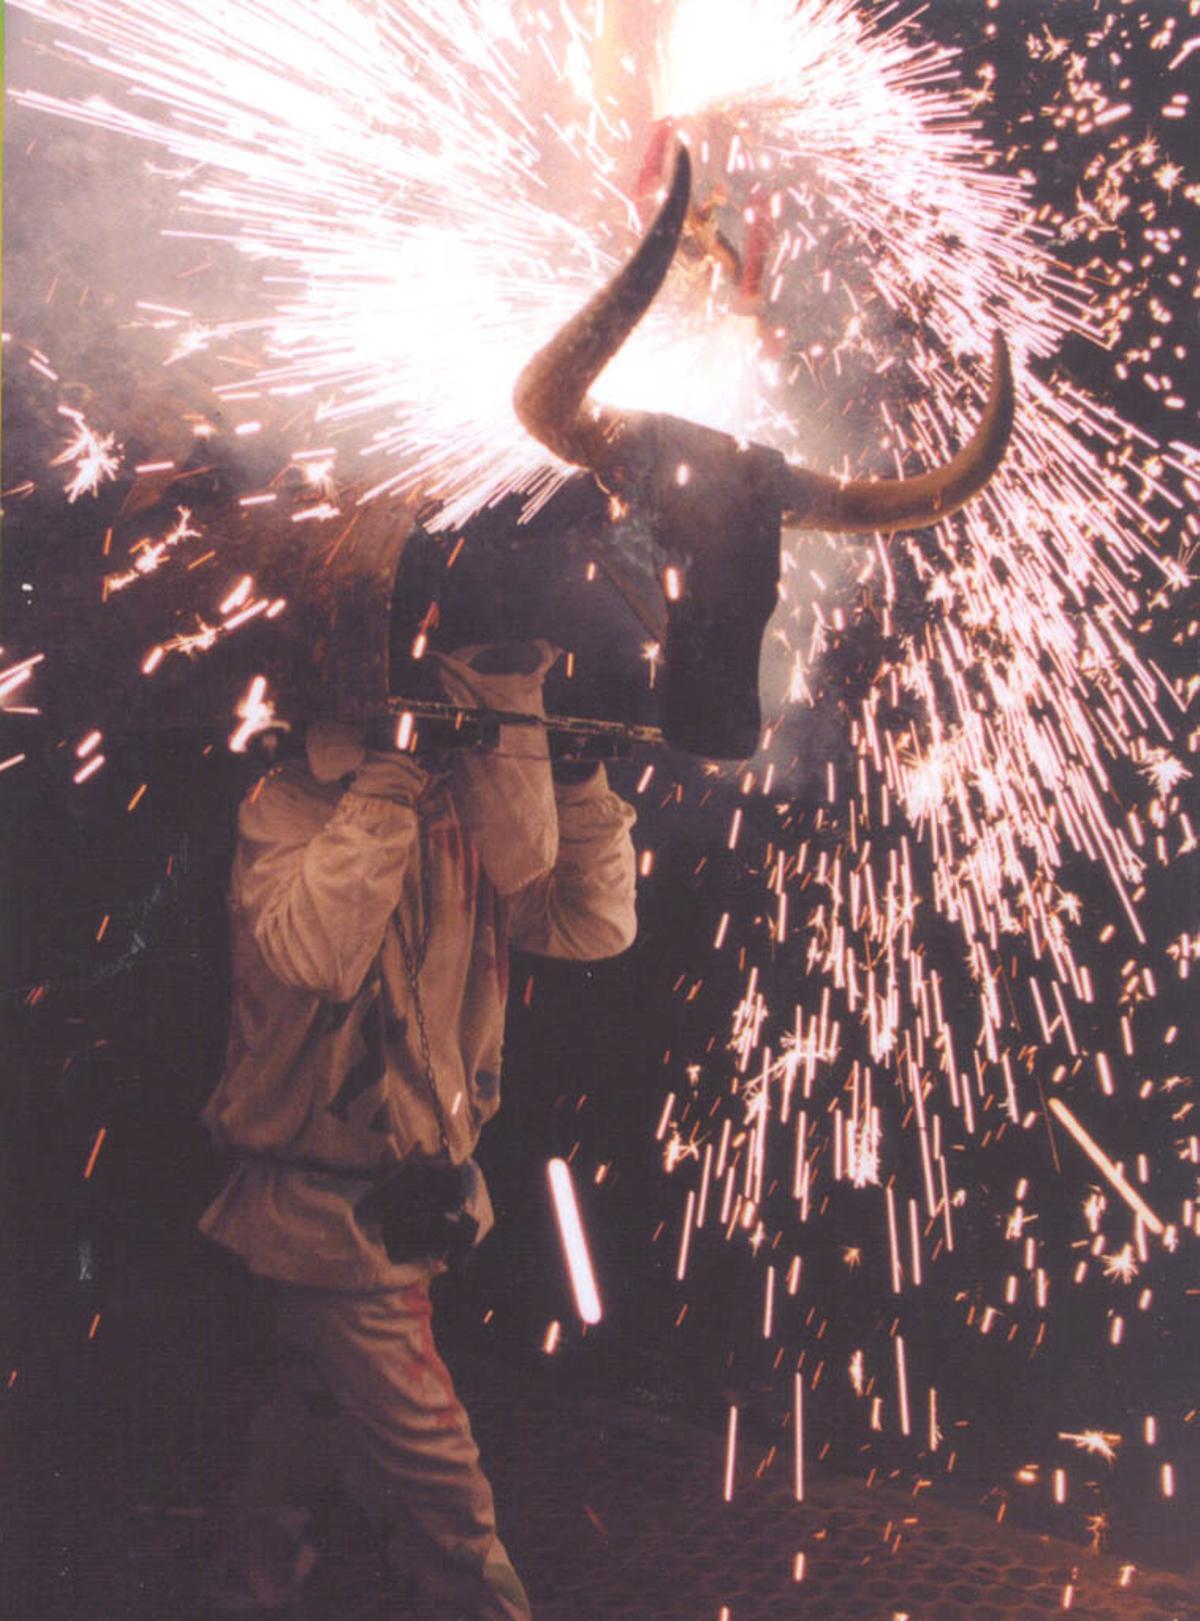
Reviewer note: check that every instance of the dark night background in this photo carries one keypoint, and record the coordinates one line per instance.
(129, 1347)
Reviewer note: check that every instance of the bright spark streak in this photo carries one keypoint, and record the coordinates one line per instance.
(902, 1386)
(151, 555)
(856, 1373)
(97, 457)
(1121, 1266)
(18, 674)
(256, 713)
(574, 1242)
(730, 1454)
(1163, 770)
(798, 1438)
(1093, 1441)
(1101, 1160)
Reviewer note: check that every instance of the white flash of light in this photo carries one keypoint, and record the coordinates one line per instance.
(570, 1231)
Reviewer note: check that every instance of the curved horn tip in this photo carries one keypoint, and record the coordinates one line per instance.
(818, 501)
(1002, 369)
(672, 209)
(550, 394)
(681, 175)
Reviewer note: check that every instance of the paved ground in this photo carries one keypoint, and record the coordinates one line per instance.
(617, 1513)
(614, 1510)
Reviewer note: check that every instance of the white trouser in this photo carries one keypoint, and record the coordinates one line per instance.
(362, 1393)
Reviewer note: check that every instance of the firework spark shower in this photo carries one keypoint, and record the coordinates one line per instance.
(941, 904)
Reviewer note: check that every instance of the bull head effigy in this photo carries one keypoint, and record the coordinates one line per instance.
(716, 505)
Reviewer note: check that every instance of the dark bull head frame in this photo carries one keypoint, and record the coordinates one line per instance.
(719, 523)
(722, 517)
(715, 506)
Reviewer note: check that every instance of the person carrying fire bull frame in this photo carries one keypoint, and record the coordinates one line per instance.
(374, 898)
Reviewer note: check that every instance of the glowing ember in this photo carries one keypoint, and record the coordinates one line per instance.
(97, 457)
(256, 713)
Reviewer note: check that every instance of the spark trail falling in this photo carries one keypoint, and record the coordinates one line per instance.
(424, 193)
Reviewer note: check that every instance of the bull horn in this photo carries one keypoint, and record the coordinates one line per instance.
(818, 501)
(550, 397)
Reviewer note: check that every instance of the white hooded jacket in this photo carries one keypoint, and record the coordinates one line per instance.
(325, 1085)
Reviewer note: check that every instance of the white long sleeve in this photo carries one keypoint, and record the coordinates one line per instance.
(584, 908)
(317, 878)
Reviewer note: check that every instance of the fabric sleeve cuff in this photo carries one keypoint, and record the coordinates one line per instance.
(594, 787)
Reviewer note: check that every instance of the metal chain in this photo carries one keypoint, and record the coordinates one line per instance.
(414, 961)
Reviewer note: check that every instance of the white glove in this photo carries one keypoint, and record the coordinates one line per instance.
(505, 796)
(392, 776)
(336, 750)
